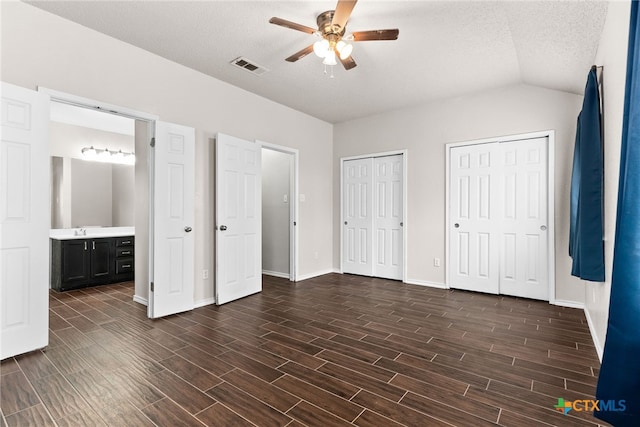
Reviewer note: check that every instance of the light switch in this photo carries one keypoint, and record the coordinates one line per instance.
(302, 198)
(286, 198)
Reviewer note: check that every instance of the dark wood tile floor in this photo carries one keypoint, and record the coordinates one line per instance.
(335, 350)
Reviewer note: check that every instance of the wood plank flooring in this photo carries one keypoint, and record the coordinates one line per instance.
(336, 350)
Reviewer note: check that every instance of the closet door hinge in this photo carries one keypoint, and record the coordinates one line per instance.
(151, 286)
(153, 142)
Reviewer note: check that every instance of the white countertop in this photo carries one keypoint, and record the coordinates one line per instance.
(91, 232)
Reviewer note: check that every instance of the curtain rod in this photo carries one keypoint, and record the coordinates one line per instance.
(594, 67)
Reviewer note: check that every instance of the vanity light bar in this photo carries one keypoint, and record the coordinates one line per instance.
(108, 156)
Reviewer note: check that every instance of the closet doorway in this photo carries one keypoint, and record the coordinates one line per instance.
(279, 210)
(372, 215)
(500, 216)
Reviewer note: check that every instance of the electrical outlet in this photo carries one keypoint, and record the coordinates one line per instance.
(302, 198)
(205, 274)
(436, 262)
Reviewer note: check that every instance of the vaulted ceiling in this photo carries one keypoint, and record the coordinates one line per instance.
(445, 48)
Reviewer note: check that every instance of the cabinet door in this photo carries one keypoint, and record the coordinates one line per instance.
(75, 262)
(100, 258)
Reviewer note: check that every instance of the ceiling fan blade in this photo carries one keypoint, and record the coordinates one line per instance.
(292, 25)
(300, 54)
(348, 63)
(363, 36)
(342, 12)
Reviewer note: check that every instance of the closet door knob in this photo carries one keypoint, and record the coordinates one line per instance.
(223, 227)
(456, 225)
(188, 229)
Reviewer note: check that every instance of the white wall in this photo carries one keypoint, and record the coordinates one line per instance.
(39, 48)
(275, 211)
(424, 131)
(68, 140)
(612, 55)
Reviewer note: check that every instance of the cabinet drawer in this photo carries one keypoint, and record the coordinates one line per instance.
(124, 266)
(124, 252)
(124, 241)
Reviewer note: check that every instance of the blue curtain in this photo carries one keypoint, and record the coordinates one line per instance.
(620, 371)
(586, 228)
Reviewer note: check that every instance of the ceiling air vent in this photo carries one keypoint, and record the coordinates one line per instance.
(249, 66)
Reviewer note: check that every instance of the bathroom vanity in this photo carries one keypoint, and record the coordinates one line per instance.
(93, 256)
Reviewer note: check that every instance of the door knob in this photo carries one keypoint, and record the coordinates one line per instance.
(345, 223)
(188, 229)
(456, 225)
(543, 227)
(223, 227)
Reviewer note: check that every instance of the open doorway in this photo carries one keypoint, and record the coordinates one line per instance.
(279, 177)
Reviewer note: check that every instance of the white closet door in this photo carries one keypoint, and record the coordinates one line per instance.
(238, 218)
(25, 215)
(523, 220)
(474, 233)
(387, 217)
(498, 204)
(357, 216)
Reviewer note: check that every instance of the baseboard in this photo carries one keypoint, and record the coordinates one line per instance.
(276, 274)
(596, 342)
(425, 283)
(140, 300)
(316, 274)
(569, 304)
(203, 302)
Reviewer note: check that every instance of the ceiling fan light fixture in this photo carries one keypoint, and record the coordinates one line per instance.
(344, 49)
(321, 48)
(330, 59)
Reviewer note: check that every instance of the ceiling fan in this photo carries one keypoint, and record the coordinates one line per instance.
(334, 44)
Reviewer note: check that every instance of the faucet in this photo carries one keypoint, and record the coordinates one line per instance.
(81, 232)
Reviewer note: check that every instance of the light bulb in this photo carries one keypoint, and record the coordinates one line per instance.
(89, 153)
(330, 59)
(321, 47)
(344, 49)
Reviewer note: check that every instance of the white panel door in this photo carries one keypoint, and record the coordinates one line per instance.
(523, 220)
(357, 182)
(387, 217)
(173, 240)
(25, 215)
(238, 218)
(473, 236)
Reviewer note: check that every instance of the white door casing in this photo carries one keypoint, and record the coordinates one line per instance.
(499, 217)
(387, 217)
(357, 217)
(173, 248)
(473, 236)
(238, 218)
(25, 215)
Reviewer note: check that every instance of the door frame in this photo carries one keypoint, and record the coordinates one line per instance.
(293, 205)
(405, 225)
(551, 256)
(150, 119)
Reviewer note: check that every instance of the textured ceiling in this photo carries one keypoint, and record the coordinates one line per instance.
(445, 48)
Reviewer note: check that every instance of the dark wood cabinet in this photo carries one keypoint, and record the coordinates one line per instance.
(77, 263)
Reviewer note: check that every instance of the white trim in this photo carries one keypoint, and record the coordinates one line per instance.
(405, 198)
(140, 300)
(293, 206)
(568, 304)
(276, 274)
(316, 274)
(104, 107)
(551, 251)
(594, 336)
(203, 302)
(426, 283)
